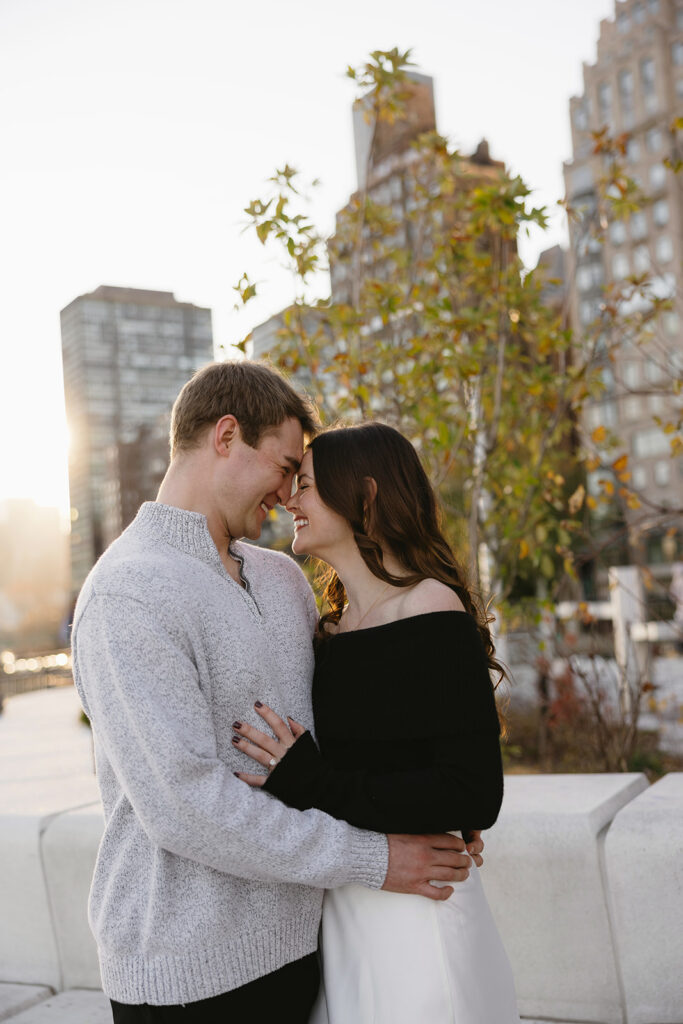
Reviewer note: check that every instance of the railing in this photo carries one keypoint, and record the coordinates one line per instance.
(33, 672)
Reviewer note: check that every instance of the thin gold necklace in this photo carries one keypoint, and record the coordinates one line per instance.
(365, 614)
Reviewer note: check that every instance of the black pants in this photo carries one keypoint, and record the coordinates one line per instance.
(287, 994)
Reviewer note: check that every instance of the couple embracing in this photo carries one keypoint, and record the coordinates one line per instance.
(260, 766)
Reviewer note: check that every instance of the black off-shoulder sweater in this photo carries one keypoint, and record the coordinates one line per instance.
(407, 726)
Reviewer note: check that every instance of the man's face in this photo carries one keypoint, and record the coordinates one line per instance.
(262, 477)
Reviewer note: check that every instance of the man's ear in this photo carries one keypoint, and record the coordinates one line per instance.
(224, 432)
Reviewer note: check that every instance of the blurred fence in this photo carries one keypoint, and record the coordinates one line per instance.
(33, 672)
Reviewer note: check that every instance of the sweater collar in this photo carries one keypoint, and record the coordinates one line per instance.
(187, 531)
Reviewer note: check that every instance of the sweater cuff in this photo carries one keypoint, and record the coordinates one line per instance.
(293, 779)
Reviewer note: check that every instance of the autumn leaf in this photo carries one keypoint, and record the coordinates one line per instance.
(576, 500)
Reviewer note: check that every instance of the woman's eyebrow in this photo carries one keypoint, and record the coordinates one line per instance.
(302, 476)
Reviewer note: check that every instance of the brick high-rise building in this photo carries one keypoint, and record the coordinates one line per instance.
(634, 89)
(127, 353)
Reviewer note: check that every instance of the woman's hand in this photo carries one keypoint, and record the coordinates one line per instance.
(475, 845)
(261, 747)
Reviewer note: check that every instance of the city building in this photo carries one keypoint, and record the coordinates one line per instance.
(127, 352)
(388, 167)
(634, 91)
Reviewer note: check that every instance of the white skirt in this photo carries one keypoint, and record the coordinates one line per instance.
(390, 958)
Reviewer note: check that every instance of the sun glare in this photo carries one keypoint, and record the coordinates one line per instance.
(34, 458)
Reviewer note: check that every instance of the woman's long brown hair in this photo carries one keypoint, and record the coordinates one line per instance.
(403, 517)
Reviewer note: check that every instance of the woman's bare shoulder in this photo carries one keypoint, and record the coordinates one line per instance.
(431, 596)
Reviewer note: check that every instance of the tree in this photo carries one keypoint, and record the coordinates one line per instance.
(434, 326)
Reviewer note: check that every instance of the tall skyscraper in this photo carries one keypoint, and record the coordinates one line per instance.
(126, 353)
(635, 90)
(387, 162)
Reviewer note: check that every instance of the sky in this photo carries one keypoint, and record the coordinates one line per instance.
(134, 133)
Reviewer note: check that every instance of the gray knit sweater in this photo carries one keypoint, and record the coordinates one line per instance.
(202, 883)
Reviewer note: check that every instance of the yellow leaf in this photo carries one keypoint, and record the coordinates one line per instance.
(591, 502)
(523, 549)
(607, 486)
(625, 477)
(599, 434)
(576, 500)
(620, 464)
(592, 464)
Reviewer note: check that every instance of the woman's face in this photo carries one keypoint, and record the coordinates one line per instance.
(318, 530)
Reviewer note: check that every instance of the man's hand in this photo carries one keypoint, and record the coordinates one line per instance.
(417, 861)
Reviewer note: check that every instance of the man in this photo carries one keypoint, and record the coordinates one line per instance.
(207, 894)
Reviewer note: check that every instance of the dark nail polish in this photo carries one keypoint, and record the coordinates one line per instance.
(237, 774)
(236, 739)
(258, 704)
(237, 725)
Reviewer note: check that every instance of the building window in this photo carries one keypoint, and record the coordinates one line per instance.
(625, 80)
(660, 213)
(588, 311)
(589, 276)
(609, 414)
(654, 371)
(620, 266)
(662, 473)
(605, 102)
(632, 407)
(633, 151)
(655, 404)
(679, 17)
(679, 88)
(671, 322)
(581, 115)
(650, 442)
(623, 22)
(657, 177)
(617, 232)
(581, 179)
(653, 140)
(639, 477)
(677, 53)
(641, 259)
(648, 84)
(631, 374)
(638, 225)
(664, 249)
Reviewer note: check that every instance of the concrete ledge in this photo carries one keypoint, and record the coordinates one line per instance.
(45, 770)
(644, 866)
(14, 998)
(544, 878)
(70, 845)
(74, 1007)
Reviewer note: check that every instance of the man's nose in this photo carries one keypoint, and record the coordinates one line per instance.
(284, 494)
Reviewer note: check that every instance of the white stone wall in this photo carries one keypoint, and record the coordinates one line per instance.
(584, 874)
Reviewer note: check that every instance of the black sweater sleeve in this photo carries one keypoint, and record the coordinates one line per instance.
(460, 786)
(463, 789)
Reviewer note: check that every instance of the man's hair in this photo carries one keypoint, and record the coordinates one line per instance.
(255, 393)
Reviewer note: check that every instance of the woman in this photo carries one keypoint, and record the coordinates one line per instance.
(407, 728)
